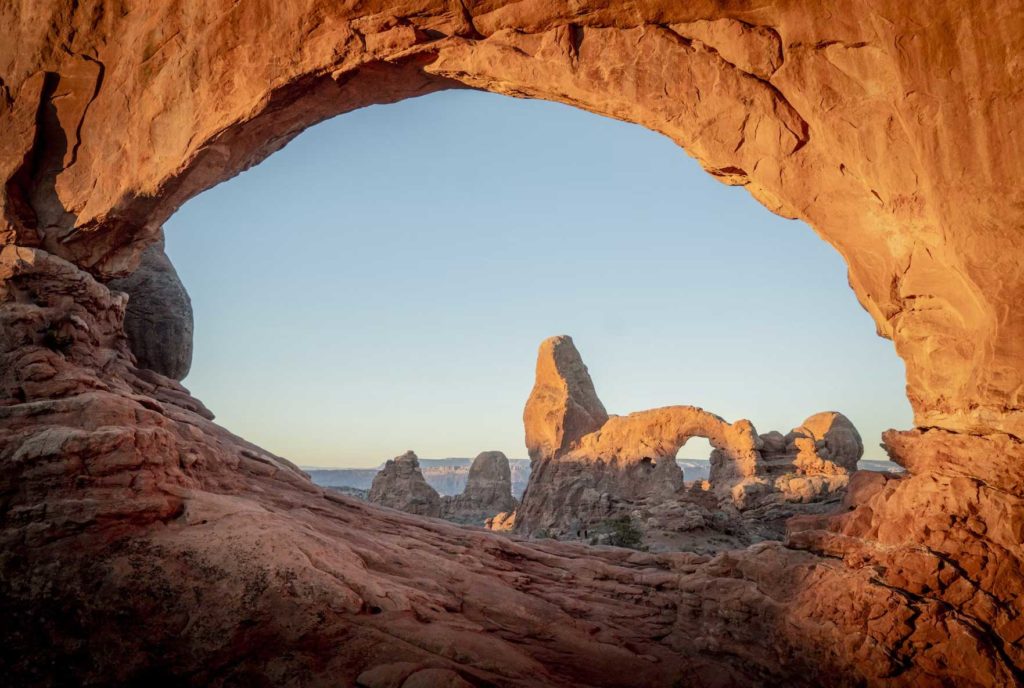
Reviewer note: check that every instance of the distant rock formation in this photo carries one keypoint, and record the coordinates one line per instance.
(585, 463)
(563, 406)
(447, 476)
(159, 316)
(812, 461)
(400, 485)
(502, 523)
(350, 491)
(615, 478)
(488, 491)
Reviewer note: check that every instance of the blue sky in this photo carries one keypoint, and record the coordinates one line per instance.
(383, 283)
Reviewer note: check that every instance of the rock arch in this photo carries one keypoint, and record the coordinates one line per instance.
(789, 103)
(582, 459)
(889, 129)
(586, 464)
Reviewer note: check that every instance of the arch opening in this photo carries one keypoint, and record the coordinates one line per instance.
(440, 260)
(694, 457)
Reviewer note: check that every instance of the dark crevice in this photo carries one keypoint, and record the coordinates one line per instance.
(575, 41)
(81, 121)
(467, 17)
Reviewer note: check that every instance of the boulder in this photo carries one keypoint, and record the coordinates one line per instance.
(158, 321)
(826, 443)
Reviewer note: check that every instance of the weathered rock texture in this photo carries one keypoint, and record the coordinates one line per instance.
(488, 491)
(502, 523)
(139, 540)
(400, 485)
(584, 469)
(825, 444)
(159, 317)
(563, 405)
(625, 469)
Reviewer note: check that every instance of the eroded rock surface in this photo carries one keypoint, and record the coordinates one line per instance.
(861, 120)
(140, 540)
(400, 485)
(622, 482)
(488, 491)
(159, 316)
(563, 404)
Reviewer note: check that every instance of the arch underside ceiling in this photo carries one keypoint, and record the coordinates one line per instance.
(819, 118)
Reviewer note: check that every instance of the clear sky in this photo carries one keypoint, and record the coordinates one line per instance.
(383, 283)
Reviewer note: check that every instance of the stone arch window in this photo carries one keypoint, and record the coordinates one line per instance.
(696, 447)
(864, 122)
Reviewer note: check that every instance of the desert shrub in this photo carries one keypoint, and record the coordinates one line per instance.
(622, 532)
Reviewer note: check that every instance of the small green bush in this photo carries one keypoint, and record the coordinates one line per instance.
(622, 533)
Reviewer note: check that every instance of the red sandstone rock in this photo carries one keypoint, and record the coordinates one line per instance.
(861, 120)
(140, 542)
(581, 479)
(563, 405)
(621, 482)
(222, 563)
(502, 523)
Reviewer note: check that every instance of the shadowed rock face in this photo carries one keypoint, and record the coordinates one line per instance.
(158, 321)
(488, 491)
(401, 485)
(140, 540)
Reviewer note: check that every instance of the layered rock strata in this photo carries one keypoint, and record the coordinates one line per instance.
(141, 542)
